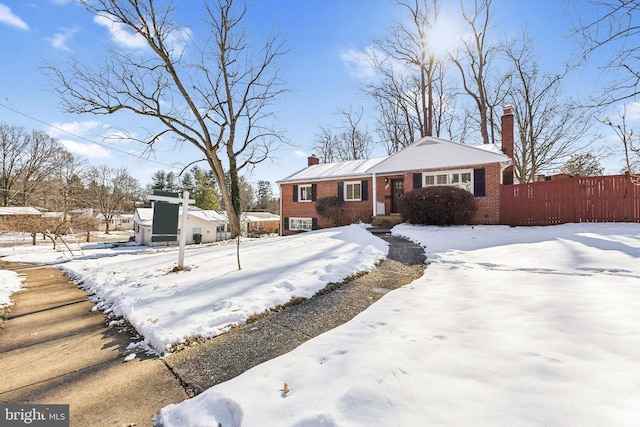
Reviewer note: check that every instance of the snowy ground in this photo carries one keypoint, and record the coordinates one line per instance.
(211, 295)
(10, 282)
(508, 326)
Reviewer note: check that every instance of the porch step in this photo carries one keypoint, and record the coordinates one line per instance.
(386, 221)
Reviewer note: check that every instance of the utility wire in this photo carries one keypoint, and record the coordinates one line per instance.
(139, 157)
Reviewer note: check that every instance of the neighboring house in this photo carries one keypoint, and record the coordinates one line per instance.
(371, 188)
(259, 223)
(18, 212)
(119, 221)
(142, 220)
(204, 226)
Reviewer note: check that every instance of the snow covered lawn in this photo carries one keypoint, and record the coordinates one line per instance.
(508, 326)
(10, 282)
(212, 294)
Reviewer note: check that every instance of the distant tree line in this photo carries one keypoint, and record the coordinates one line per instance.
(36, 170)
(203, 188)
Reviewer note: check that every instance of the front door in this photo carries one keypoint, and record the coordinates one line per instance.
(397, 190)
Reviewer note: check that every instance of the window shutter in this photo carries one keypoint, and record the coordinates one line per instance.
(314, 192)
(341, 190)
(417, 180)
(295, 193)
(364, 189)
(314, 223)
(286, 223)
(479, 184)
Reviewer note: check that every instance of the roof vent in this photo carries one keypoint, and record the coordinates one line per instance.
(428, 142)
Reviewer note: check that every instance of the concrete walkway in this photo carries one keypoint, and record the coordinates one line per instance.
(54, 349)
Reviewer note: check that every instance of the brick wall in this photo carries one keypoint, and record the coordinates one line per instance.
(488, 205)
(352, 211)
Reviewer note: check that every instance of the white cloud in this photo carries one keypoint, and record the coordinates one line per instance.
(633, 110)
(60, 40)
(77, 129)
(176, 41)
(358, 63)
(90, 150)
(8, 17)
(77, 137)
(120, 34)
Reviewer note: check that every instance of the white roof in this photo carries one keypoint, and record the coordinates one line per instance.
(53, 214)
(145, 214)
(19, 210)
(260, 216)
(434, 153)
(214, 216)
(350, 168)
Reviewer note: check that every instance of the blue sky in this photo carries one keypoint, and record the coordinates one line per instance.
(323, 69)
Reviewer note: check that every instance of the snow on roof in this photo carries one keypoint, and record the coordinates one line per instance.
(350, 168)
(145, 214)
(433, 153)
(53, 215)
(492, 148)
(260, 216)
(207, 215)
(19, 210)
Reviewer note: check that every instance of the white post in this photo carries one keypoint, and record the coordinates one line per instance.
(374, 196)
(183, 231)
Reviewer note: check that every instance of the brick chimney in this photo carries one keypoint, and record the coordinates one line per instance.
(313, 160)
(507, 142)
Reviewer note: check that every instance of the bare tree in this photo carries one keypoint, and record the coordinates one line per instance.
(324, 145)
(549, 124)
(350, 143)
(12, 144)
(64, 185)
(628, 137)
(110, 190)
(27, 161)
(613, 27)
(215, 97)
(407, 95)
(473, 62)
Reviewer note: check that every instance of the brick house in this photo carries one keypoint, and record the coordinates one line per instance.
(371, 188)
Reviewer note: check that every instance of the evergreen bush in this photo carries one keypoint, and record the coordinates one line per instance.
(438, 206)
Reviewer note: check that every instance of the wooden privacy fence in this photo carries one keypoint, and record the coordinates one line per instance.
(578, 199)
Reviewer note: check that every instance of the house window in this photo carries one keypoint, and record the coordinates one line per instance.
(220, 228)
(353, 191)
(461, 179)
(303, 224)
(305, 193)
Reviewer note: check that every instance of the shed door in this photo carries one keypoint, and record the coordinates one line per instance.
(397, 190)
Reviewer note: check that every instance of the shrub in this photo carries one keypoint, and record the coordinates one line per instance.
(438, 206)
(331, 208)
